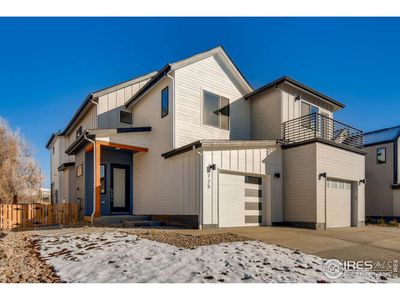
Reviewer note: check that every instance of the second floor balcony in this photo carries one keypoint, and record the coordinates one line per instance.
(319, 127)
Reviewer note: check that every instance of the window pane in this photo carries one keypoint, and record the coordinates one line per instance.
(102, 179)
(210, 109)
(224, 113)
(314, 109)
(164, 102)
(253, 180)
(381, 155)
(305, 109)
(125, 117)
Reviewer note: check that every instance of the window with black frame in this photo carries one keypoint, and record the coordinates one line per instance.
(164, 102)
(103, 179)
(381, 155)
(216, 111)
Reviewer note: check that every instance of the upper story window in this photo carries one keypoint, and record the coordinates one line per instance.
(307, 109)
(125, 117)
(164, 102)
(78, 133)
(53, 150)
(381, 155)
(215, 110)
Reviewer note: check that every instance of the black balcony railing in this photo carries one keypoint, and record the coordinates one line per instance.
(315, 126)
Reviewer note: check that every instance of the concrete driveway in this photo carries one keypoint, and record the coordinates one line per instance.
(368, 243)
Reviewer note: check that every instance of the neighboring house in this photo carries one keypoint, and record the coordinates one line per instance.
(193, 142)
(382, 193)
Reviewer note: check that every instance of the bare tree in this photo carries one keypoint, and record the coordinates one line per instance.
(20, 175)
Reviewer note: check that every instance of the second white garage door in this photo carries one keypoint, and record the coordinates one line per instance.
(338, 204)
(240, 200)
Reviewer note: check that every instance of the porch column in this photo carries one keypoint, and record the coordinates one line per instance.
(98, 184)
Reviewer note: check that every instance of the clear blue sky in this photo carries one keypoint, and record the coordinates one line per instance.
(49, 65)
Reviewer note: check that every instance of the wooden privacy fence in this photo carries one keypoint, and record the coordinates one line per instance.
(21, 216)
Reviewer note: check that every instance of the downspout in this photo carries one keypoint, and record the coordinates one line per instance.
(199, 153)
(94, 177)
(173, 110)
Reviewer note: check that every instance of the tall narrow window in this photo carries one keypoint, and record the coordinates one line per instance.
(215, 110)
(78, 132)
(381, 155)
(164, 102)
(307, 109)
(103, 179)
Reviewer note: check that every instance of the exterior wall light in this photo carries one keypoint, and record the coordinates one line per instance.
(277, 175)
(322, 175)
(362, 181)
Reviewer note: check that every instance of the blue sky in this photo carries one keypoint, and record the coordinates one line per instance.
(49, 65)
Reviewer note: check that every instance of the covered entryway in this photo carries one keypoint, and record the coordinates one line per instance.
(240, 200)
(338, 203)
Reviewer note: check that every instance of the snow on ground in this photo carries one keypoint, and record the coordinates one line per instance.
(121, 257)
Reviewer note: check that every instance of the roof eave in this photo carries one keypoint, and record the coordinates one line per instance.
(297, 84)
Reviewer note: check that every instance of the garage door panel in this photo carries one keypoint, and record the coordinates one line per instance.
(240, 200)
(338, 204)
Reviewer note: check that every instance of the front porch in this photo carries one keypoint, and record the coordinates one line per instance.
(112, 166)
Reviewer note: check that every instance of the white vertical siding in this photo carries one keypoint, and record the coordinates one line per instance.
(261, 161)
(291, 108)
(190, 81)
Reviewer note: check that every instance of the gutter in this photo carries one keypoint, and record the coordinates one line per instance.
(173, 109)
(200, 154)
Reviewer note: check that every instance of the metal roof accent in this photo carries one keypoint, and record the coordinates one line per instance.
(381, 136)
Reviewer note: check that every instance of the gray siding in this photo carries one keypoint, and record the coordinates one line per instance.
(379, 194)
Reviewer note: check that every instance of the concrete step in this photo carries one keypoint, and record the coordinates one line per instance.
(142, 223)
(119, 219)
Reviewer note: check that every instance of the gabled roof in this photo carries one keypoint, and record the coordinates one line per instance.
(93, 95)
(381, 136)
(219, 50)
(287, 79)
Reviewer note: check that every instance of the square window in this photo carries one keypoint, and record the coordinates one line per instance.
(79, 171)
(125, 117)
(216, 110)
(381, 155)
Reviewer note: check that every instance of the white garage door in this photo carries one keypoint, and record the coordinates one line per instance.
(240, 200)
(338, 204)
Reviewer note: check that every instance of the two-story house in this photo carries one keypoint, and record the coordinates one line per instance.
(382, 192)
(194, 142)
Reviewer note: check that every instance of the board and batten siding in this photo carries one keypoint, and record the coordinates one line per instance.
(299, 184)
(111, 104)
(190, 82)
(378, 190)
(256, 161)
(291, 108)
(266, 115)
(162, 186)
(342, 165)
(80, 181)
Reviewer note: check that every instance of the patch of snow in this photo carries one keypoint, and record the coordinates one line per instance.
(121, 257)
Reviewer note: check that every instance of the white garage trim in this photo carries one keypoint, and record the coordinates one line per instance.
(247, 188)
(338, 209)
